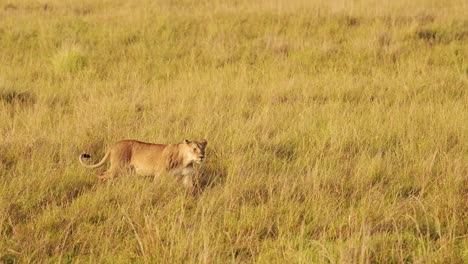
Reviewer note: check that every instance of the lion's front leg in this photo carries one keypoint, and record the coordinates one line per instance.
(187, 176)
(188, 181)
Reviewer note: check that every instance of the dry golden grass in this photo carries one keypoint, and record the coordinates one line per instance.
(338, 130)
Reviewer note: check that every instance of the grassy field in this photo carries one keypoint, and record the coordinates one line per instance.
(338, 130)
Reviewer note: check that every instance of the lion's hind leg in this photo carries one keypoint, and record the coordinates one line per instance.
(119, 163)
(109, 174)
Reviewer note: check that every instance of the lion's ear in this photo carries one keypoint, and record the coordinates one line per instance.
(204, 142)
(186, 141)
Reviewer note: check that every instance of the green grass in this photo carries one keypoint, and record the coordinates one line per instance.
(337, 130)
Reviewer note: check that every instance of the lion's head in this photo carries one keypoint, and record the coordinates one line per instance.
(195, 150)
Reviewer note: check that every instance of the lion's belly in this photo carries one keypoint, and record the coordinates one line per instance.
(143, 171)
(144, 165)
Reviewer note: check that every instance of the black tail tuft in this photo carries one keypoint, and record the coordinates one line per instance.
(86, 156)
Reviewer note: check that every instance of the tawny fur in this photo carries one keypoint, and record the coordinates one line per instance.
(152, 159)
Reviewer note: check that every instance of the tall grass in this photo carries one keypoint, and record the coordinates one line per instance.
(337, 130)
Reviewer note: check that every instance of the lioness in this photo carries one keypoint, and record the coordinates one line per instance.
(152, 159)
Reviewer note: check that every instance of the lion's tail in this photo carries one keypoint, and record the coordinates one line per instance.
(87, 156)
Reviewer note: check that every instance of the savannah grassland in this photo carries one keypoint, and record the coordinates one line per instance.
(338, 130)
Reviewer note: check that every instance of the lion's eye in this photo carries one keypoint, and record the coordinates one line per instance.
(195, 150)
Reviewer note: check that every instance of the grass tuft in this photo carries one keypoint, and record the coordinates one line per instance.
(69, 60)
